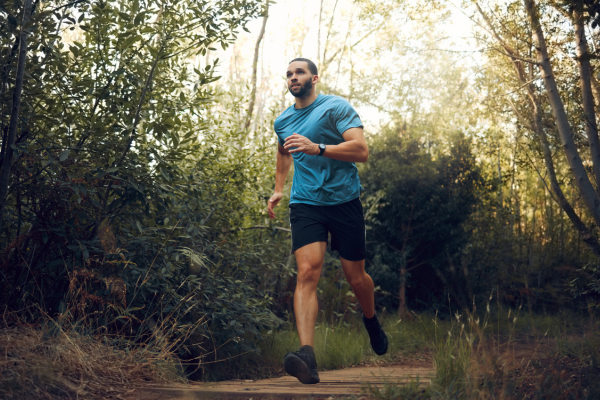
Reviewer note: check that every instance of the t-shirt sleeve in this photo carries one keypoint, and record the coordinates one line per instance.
(346, 117)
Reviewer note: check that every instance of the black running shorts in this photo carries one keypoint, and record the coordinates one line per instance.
(344, 221)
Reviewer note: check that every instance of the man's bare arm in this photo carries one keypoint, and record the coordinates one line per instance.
(353, 149)
(284, 161)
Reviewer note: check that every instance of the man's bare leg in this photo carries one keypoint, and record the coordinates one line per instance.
(309, 260)
(362, 285)
(363, 288)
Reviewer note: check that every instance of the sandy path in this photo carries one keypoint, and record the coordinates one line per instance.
(345, 382)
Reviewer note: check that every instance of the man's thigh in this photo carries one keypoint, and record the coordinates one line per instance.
(311, 256)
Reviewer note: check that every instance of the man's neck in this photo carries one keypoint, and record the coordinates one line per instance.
(303, 102)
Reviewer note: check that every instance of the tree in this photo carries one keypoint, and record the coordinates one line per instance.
(525, 34)
(8, 140)
(416, 209)
(255, 65)
(126, 198)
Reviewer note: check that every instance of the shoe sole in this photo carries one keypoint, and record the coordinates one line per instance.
(296, 367)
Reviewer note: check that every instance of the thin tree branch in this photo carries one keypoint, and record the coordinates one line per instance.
(279, 228)
(16, 107)
(68, 5)
(255, 66)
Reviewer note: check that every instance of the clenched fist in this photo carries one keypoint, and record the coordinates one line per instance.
(302, 144)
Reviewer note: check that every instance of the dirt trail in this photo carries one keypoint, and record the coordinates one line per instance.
(345, 382)
(338, 383)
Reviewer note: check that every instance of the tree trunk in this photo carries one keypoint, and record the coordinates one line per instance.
(595, 90)
(324, 62)
(14, 115)
(255, 67)
(586, 189)
(319, 33)
(538, 128)
(583, 60)
(402, 310)
(559, 196)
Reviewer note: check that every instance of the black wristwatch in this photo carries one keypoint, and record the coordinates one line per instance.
(321, 149)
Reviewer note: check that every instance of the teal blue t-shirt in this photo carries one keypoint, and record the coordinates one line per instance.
(320, 180)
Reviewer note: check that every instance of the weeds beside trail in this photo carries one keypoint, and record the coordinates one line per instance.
(504, 356)
(52, 363)
(500, 356)
(340, 345)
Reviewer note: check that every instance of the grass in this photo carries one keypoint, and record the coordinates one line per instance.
(474, 358)
(501, 355)
(339, 345)
(509, 356)
(58, 363)
(344, 345)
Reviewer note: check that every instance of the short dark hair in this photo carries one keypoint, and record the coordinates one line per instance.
(311, 65)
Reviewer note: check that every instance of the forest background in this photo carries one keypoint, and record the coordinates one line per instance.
(138, 153)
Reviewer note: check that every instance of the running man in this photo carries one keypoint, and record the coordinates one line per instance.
(324, 137)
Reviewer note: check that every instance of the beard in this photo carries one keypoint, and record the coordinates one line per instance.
(304, 89)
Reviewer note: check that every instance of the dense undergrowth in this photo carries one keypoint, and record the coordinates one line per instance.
(499, 355)
(54, 362)
(502, 355)
(134, 224)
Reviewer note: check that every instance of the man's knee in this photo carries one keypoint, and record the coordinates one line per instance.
(308, 273)
(357, 278)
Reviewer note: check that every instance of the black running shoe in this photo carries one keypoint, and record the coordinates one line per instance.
(303, 365)
(379, 340)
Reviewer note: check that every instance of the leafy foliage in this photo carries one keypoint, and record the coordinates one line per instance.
(136, 203)
(417, 214)
(131, 183)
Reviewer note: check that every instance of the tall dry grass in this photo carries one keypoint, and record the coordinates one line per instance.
(50, 361)
(507, 355)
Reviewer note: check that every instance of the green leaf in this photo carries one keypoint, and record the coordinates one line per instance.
(12, 20)
(139, 18)
(64, 155)
(61, 67)
(128, 42)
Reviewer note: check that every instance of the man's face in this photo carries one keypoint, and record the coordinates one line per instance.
(299, 79)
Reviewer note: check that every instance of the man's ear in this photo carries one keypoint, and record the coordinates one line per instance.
(315, 79)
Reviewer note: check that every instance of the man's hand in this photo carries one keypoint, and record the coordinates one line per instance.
(302, 144)
(273, 201)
